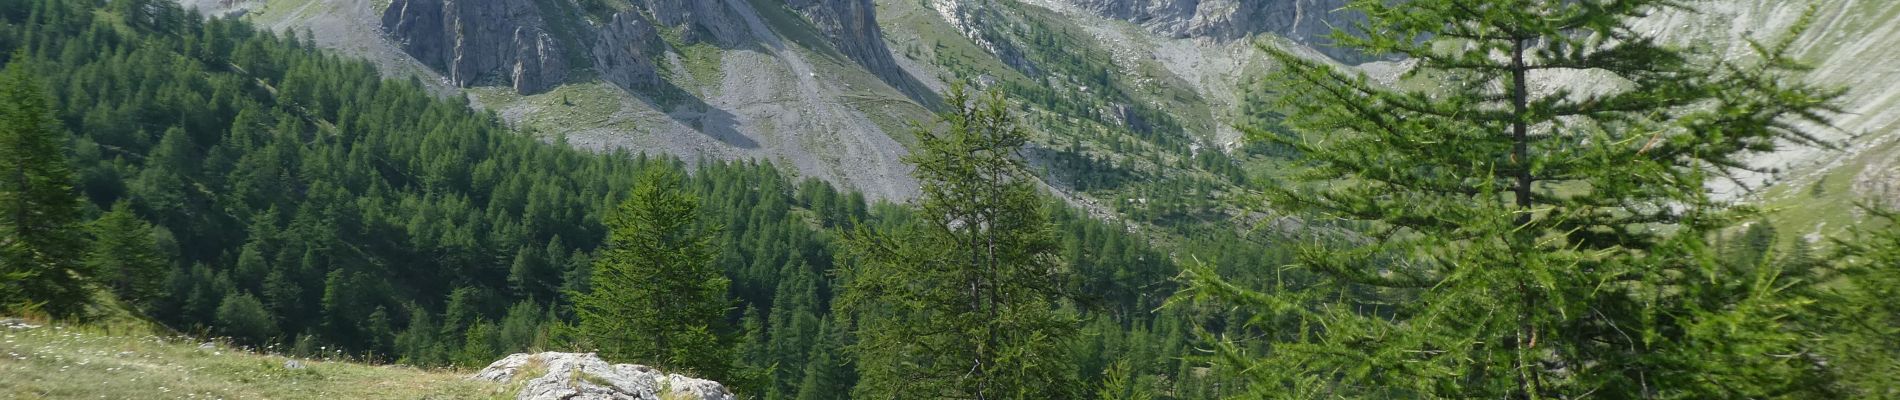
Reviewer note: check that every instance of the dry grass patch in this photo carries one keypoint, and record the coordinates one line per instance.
(60, 362)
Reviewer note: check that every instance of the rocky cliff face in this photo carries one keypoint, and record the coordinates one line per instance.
(1305, 21)
(644, 83)
(538, 62)
(486, 42)
(851, 26)
(708, 21)
(624, 51)
(479, 41)
(489, 42)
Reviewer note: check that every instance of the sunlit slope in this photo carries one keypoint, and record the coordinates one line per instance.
(1853, 44)
(93, 362)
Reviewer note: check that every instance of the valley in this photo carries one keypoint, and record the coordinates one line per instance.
(993, 199)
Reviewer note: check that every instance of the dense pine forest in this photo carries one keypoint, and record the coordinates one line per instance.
(226, 181)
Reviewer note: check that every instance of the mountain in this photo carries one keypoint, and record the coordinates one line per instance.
(1302, 21)
(827, 88)
(1850, 44)
(805, 84)
(528, 45)
(1813, 190)
(431, 182)
(1133, 100)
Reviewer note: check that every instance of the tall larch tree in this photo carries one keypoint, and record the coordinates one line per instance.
(126, 255)
(40, 232)
(657, 296)
(1531, 225)
(1864, 317)
(966, 300)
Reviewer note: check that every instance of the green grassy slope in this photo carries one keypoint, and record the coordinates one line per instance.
(123, 361)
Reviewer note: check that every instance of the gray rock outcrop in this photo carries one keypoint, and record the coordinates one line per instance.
(479, 41)
(1305, 21)
(625, 50)
(16, 323)
(507, 42)
(538, 62)
(851, 26)
(584, 376)
(707, 21)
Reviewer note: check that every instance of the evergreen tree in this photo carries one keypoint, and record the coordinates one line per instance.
(39, 210)
(794, 327)
(251, 271)
(526, 273)
(520, 329)
(460, 312)
(420, 343)
(754, 362)
(753, 347)
(1516, 242)
(824, 375)
(964, 301)
(380, 332)
(244, 319)
(1863, 317)
(657, 297)
(1120, 384)
(284, 298)
(126, 256)
(478, 348)
(12, 295)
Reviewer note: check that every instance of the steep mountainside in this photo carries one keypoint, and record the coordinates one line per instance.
(1851, 44)
(806, 84)
(1304, 21)
(1813, 189)
(828, 87)
(1133, 100)
(488, 41)
(476, 40)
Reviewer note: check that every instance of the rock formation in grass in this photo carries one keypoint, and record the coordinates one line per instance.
(584, 376)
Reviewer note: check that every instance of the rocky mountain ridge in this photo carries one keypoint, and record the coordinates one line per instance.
(826, 87)
(814, 85)
(487, 42)
(809, 85)
(1303, 21)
